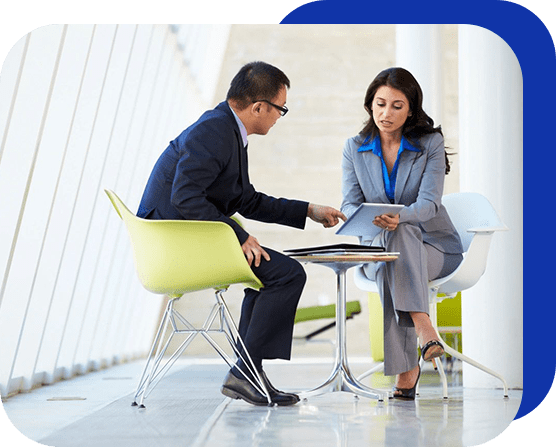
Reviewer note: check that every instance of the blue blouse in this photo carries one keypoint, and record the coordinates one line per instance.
(389, 179)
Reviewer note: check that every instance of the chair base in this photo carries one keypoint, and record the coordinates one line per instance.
(219, 321)
(434, 299)
(440, 369)
(472, 362)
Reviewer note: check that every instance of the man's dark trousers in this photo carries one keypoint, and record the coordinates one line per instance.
(267, 315)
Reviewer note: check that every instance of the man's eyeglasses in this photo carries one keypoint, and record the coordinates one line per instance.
(283, 110)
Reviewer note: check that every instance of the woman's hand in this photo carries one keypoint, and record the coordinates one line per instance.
(387, 221)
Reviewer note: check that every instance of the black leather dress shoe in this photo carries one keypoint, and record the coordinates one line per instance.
(277, 395)
(241, 389)
(236, 388)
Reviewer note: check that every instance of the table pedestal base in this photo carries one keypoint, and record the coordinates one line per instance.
(342, 380)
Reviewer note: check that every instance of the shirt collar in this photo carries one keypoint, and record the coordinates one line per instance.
(242, 128)
(375, 147)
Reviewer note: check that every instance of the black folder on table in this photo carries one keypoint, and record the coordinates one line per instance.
(334, 250)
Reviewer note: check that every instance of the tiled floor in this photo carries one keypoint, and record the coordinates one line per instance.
(187, 409)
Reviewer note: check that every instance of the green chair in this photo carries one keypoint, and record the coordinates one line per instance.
(324, 312)
(448, 325)
(448, 321)
(174, 257)
(376, 327)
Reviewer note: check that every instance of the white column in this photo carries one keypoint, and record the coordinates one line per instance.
(419, 50)
(491, 162)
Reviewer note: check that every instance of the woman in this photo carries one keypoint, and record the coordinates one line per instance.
(399, 157)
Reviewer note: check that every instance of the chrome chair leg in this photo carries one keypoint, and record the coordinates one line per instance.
(232, 331)
(156, 367)
(150, 358)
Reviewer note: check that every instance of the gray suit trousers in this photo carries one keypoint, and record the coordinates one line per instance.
(403, 288)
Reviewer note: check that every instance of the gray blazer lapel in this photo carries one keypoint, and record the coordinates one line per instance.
(374, 167)
(404, 169)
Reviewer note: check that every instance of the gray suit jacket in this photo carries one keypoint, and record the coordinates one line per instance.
(419, 186)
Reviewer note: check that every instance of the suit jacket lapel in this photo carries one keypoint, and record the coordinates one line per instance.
(407, 158)
(243, 170)
(374, 167)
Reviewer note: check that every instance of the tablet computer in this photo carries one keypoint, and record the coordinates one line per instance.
(361, 222)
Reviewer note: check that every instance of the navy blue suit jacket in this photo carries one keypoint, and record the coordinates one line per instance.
(203, 175)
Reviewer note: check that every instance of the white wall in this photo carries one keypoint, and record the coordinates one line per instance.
(419, 50)
(83, 108)
(491, 139)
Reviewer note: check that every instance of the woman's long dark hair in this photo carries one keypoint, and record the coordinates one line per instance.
(416, 125)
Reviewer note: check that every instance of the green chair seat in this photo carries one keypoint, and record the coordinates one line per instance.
(322, 312)
(328, 311)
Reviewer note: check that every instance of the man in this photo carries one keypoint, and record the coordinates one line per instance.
(203, 175)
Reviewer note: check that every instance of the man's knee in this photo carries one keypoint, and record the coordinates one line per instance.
(298, 273)
(281, 271)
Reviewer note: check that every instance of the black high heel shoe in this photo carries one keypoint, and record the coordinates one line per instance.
(407, 393)
(434, 352)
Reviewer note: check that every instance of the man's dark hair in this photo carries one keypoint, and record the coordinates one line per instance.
(256, 81)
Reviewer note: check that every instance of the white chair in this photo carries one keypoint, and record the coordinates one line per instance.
(476, 221)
